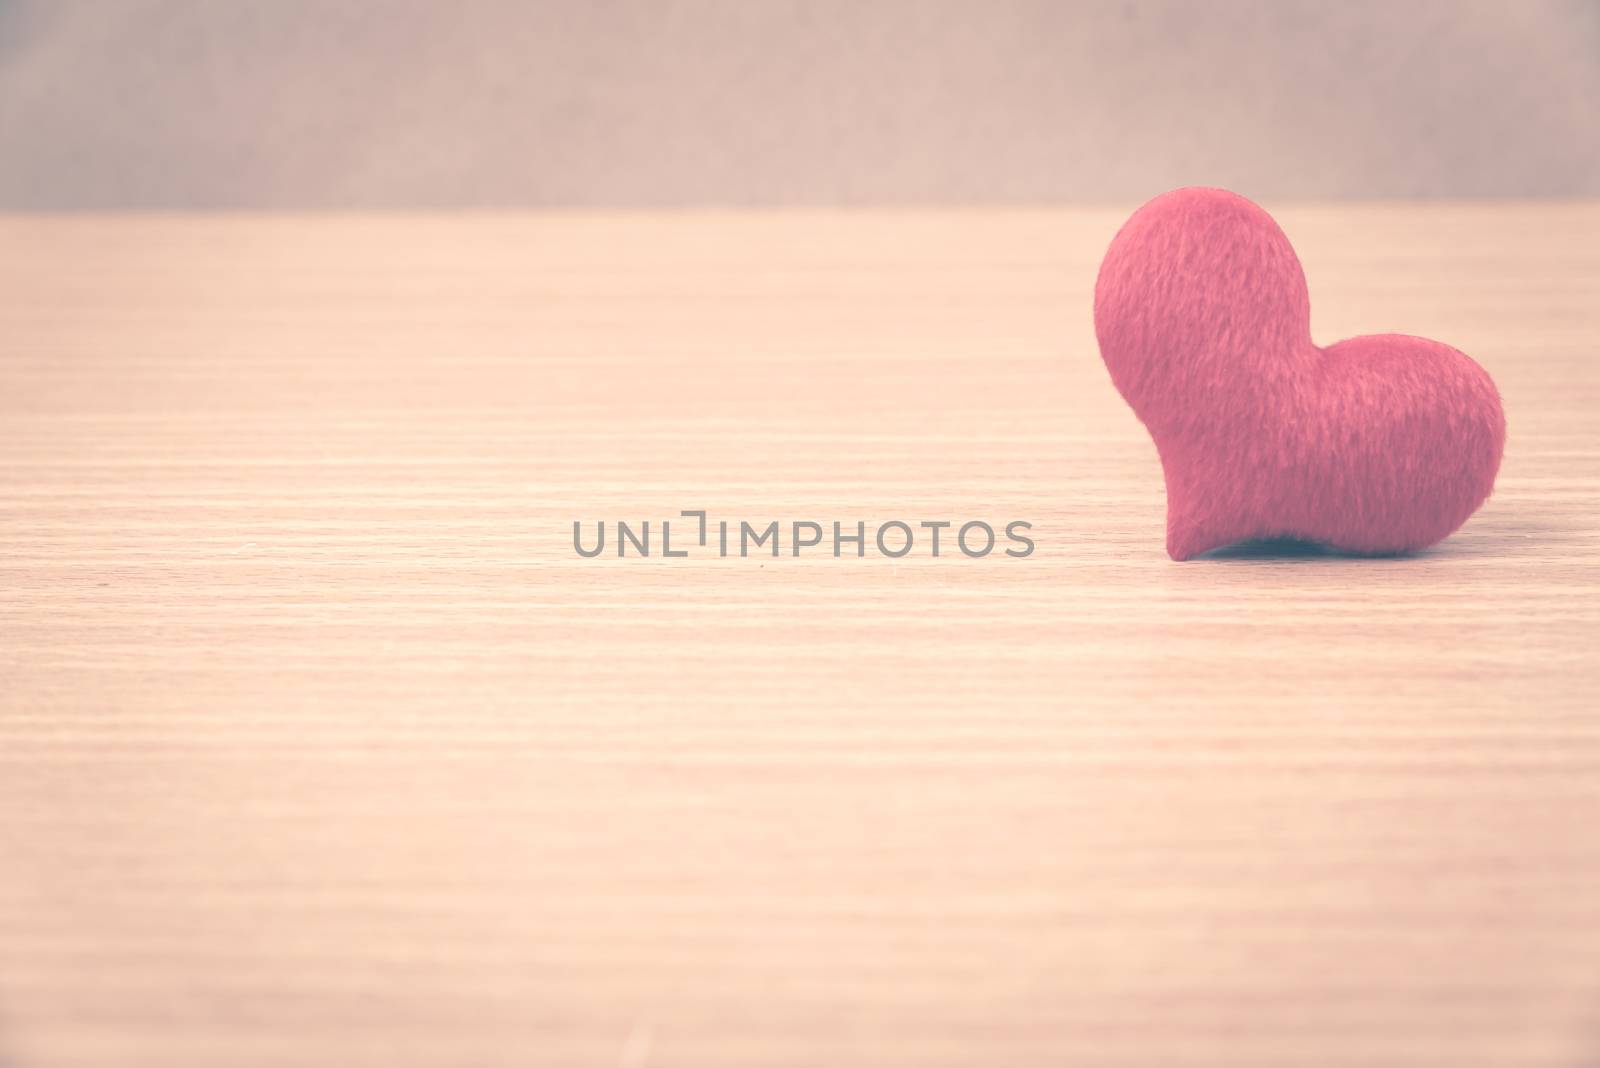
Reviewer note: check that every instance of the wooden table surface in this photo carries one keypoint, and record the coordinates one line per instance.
(319, 744)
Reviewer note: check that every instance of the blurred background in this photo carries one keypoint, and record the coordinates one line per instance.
(336, 104)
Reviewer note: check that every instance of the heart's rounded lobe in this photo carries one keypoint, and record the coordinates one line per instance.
(1375, 445)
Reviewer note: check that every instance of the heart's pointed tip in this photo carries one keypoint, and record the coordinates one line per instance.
(1185, 542)
(1178, 546)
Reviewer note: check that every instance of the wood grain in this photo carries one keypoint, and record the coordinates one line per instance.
(318, 745)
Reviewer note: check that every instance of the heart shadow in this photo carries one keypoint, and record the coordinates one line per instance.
(1290, 549)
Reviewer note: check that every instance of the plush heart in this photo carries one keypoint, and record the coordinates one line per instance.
(1375, 445)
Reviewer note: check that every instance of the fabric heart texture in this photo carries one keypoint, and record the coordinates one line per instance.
(1377, 445)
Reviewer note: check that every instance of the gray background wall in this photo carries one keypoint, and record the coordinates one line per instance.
(344, 103)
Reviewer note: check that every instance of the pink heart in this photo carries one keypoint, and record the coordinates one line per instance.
(1376, 445)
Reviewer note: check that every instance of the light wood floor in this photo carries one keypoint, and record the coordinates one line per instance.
(319, 745)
